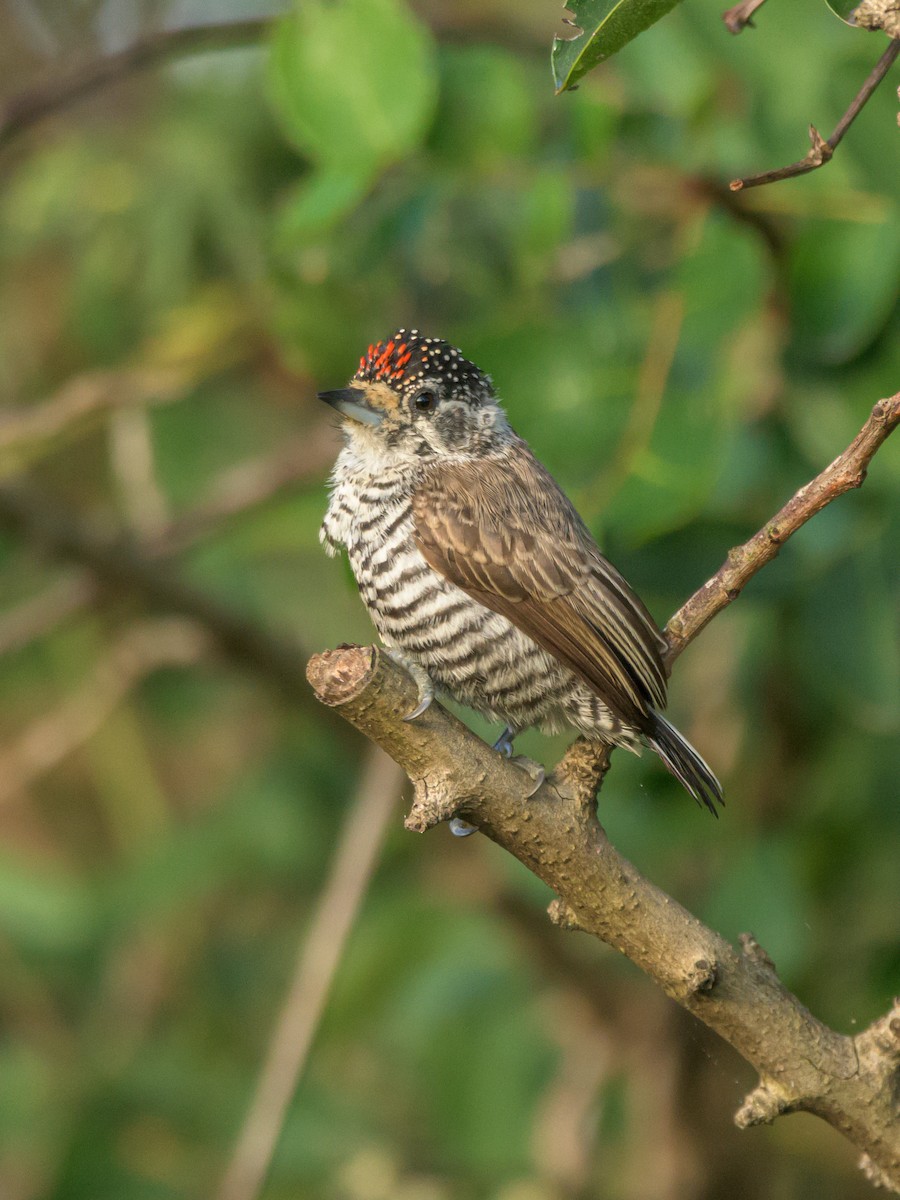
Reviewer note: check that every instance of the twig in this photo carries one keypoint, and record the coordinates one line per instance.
(132, 459)
(120, 565)
(236, 492)
(847, 471)
(140, 650)
(739, 17)
(317, 962)
(820, 151)
(761, 223)
(28, 107)
(38, 615)
(653, 377)
(246, 485)
(79, 398)
(803, 1065)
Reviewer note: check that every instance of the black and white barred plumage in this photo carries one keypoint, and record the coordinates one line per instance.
(476, 569)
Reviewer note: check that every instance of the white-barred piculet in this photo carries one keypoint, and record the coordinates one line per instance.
(477, 571)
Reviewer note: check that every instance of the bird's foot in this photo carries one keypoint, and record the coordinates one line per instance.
(461, 828)
(504, 743)
(531, 768)
(421, 678)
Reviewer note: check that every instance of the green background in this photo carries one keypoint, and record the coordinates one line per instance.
(242, 224)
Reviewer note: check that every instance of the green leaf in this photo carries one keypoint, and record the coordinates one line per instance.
(476, 80)
(353, 82)
(606, 26)
(320, 202)
(842, 277)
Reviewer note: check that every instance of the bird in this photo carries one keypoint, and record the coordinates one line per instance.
(479, 575)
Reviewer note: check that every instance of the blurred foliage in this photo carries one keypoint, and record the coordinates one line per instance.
(682, 362)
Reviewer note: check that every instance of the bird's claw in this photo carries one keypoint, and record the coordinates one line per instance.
(504, 743)
(531, 768)
(461, 828)
(420, 677)
(425, 699)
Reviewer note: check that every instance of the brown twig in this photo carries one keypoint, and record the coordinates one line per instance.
(246, 485)
(144, 648)
(761, 223)
(317, 961)
(132, 460)
(653, 377)
(80, 398)
(235, 493)
(120, 565)
(739, 17)
(847, 471)
(37, 616)
(28, 107)
(821, 151)
(803, 1065)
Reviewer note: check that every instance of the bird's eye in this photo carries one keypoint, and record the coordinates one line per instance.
(425, 400)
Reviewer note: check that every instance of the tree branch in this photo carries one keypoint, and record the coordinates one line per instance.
(318, 959)
(120, 565)
(139, 651)
(24, 431)
(820, 152)
(28, 107)
(847, 471)
(853, 1083)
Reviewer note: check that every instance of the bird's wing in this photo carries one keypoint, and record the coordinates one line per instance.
(501, 529)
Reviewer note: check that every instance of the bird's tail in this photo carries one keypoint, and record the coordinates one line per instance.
(685, 763)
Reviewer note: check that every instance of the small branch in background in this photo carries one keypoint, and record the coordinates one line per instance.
(653, 377)
(731, 203)
(820, 151)
(320, 954)
(79, 398)
(739, 17)
(120, 565)
(247, 485)
(133, 464)
(236, 492)
(139, 651)
(847, 471)
(28, 107)
(40, 614)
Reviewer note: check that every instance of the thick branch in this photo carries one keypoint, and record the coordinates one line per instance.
(853, 1083)
(803, 1064)
(821, 151)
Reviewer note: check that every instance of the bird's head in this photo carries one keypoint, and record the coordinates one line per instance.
(418, 397)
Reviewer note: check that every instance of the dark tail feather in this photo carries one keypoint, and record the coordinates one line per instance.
(685, 763)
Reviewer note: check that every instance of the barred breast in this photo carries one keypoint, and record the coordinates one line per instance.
(474, 655)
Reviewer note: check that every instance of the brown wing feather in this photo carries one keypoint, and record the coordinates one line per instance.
(502, 530)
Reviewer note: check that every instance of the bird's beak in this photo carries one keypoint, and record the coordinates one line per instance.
(353, 403)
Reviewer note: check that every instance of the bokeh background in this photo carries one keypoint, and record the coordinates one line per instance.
(187, 254)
